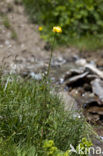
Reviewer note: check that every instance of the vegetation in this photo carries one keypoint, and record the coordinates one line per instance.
(51, 150)
(80, 20)
(6, 22)
(7, 25)
(27, 119)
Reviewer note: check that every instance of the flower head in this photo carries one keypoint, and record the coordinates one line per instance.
(57, 29)
(40, 28)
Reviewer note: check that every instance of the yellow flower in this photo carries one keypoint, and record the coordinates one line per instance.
(57, 29)
(40, 28)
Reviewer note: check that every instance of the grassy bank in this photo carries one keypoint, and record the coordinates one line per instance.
(30, 114)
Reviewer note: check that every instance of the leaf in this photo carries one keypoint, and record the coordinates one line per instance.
(100, 22)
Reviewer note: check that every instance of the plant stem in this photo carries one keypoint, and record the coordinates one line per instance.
(51, 55)
(47, 75)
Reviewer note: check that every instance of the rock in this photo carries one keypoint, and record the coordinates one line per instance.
(97, 87)
(73, 72)
(96, 110)
(69, 102)
(81, 62)
(76, 80)
(90, 102)
(7, 42)
(92, 118)
(53, 79)
(92, 77)
(94, 70)
(35, 76)
(86, 86)
(58, 61)
(61, 81)
(75, 58)
(24, 74)
(101, 137)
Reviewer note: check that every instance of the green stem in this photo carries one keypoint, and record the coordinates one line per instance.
(46, 86)
(48, 72)
(51, 55)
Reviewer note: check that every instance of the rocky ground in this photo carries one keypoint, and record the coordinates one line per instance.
(23, 51)
(19, 38)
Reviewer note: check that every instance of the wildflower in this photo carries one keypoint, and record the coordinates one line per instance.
(57, 29)
(40, 28)
(48, 144)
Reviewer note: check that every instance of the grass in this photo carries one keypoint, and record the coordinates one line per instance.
(13, 34)
(7, 25)
(87, 43)
(27, 119)
(6, 22)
